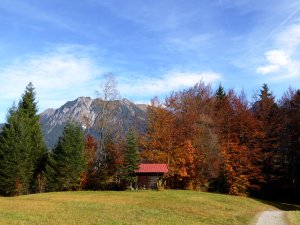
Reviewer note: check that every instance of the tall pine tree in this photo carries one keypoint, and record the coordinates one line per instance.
(290, 149)
(269, 119)
(131, 160)
(14, 166)
(21, 147)
(67, 163)
(28, 111)
(220, 93)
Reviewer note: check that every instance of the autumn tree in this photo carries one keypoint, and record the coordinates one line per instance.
(194, 124)
(159, 140)
(189, 165)
(239, 149)
(89, 177)
(108, 125)
(115, 157)
(180, 134)
(106, 110)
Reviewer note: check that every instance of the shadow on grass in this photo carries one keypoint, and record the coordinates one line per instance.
(282, 206)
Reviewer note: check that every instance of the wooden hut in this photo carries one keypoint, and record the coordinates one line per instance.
(148, 175)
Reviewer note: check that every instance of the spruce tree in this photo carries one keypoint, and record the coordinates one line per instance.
(67, 162)
(270, 130)
(220, 93)
(28, 107)
(14, 163)
(131, 159)
(36, 146)
(21, 146)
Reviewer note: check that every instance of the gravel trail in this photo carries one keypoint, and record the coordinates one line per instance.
(271, 218)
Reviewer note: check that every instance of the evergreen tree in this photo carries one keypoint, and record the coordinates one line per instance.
(131, 159)
(269, 127)
(21, 146)
(27, 103)
(14, 166)
(220, 93)
(67, 162)
(36, 145)
(290, 181)
(264, 92)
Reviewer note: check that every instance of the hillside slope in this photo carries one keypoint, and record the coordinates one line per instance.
(135, 207)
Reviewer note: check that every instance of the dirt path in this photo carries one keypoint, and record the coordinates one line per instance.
(275, 217)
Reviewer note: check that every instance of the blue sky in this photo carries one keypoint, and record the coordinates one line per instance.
(151, 46)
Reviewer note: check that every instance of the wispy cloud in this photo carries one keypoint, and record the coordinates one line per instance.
(153, 15)
(59, 74)
(36, 16)
(186, 43)
(283, 61)
(27, 10)
(283, 22)
(166, 83)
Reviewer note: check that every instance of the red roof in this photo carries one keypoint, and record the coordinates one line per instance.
(152, 168)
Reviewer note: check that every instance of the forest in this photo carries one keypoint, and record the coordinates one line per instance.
(212, 140)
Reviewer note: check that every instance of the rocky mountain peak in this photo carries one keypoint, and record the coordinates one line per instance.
(85, 111)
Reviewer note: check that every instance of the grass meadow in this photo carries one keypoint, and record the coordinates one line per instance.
(132, 207)
(294, 217)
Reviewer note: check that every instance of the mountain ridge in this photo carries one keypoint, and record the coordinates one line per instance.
(85, 112)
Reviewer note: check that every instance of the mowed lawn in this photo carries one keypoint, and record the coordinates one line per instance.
(129, 207)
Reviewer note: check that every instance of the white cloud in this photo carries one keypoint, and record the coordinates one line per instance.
(277, 57)
(179, 80)
(283, 61)
(153, 15)
(60, 74)
(29, 10)
(277, 60)
(186, 43)
(166, 83)
(267, 69)
(290, 38)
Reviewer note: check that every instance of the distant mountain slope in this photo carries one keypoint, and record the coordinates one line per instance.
(85, 111)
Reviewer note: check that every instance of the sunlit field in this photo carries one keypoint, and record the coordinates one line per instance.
(136, 207)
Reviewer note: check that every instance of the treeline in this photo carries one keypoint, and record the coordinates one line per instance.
(212, 140)
(218, 141)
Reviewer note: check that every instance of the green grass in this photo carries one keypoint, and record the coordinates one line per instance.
(136, 207)
(294, 217)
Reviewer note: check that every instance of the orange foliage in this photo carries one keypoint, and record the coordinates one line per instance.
(238, 133)
(115, 157)
(180, 133)
(90, 155)
(198, 135)
(90, 150)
